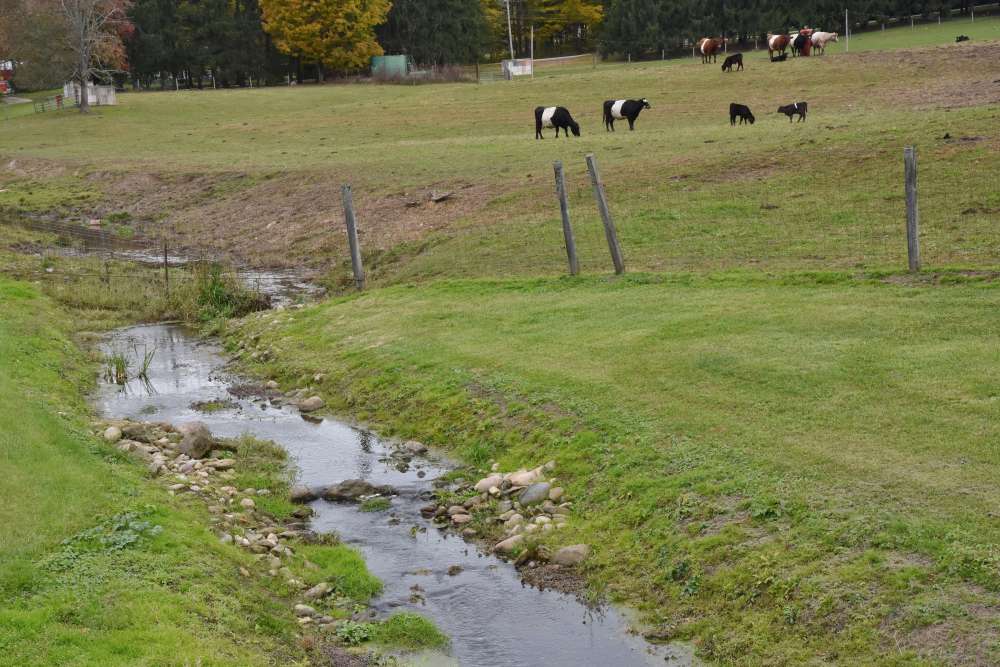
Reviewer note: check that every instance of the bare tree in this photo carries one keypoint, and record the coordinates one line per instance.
(91, 32)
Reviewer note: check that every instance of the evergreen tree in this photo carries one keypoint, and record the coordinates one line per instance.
(436, 33)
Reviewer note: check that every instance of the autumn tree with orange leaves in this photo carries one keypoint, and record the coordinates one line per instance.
(339, 34)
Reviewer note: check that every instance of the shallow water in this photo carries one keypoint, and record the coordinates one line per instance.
(492, 618)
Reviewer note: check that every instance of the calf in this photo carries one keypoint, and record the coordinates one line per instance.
(779, 59)
(735, 59)
(627, 109)
(557, 117)
(740, 111)
(961, 38)
(800, 108)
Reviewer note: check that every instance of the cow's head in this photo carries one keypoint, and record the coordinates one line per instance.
(834, 38)
(575, 126)
(645, 103)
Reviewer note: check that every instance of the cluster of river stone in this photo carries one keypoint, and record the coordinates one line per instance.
(523, 504)
(191, 461)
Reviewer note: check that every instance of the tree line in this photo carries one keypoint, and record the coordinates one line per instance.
(198, 43)
(651, 27)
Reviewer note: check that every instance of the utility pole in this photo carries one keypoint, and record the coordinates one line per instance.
(510, 33)
(847, 31)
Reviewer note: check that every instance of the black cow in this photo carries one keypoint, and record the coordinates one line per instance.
(740, 111)
(961, 38)
(627, 109)
(780, 58)
(800, 108)
(735, 59)
(799, 45)
(557, 117)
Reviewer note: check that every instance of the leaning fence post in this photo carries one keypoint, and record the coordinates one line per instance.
(574, 264)
(352, 236)
(602, 206)
(912, 212)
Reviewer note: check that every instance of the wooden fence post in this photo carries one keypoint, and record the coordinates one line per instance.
(912, 212)
(574, 264)
(602, 206)
(352, 236)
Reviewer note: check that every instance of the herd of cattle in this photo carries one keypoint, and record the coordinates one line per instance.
(802, 43)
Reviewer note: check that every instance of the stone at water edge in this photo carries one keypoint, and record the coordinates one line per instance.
(271, 384)
(456, 509)
(534, 494)
(353, 489)
(524, 477)
(311, 404)
(571, 555)
(484, 485)
(112, 434)
(556, 493)
(460, 519)
(507, 546)
(304, 610)
(320, 590)
(414, 447)
(301, 493)
(197, 440)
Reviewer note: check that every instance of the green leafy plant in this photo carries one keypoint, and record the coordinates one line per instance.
(353, 633)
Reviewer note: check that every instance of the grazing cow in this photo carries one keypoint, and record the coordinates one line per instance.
(740, 111)
(557, 117)
(627, 109)
(961, 38)
(821, 39)
(800, 108)
(709, 47)
(779, 59)
(801, 43)
(777, 44)
(735, 59)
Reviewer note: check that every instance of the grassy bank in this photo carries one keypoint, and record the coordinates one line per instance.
(99, 565)
(782, 470)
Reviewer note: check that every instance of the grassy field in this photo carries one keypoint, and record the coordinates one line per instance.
(786, 471)
(258, 171)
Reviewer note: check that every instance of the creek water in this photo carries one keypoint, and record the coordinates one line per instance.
(493, 619)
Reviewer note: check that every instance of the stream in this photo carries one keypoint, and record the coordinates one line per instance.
(493, 619)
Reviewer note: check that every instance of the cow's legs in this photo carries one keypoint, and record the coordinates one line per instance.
(631, 124)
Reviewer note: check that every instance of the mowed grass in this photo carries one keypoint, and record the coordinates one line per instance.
(171, 596)
(688, 191)
(786, 471)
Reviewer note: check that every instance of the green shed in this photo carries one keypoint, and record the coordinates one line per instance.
(389, 67)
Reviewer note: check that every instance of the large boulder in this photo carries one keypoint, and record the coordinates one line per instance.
(534, 494)
(196, 439)
(354, 489)
(571, 555)
(113, 434)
